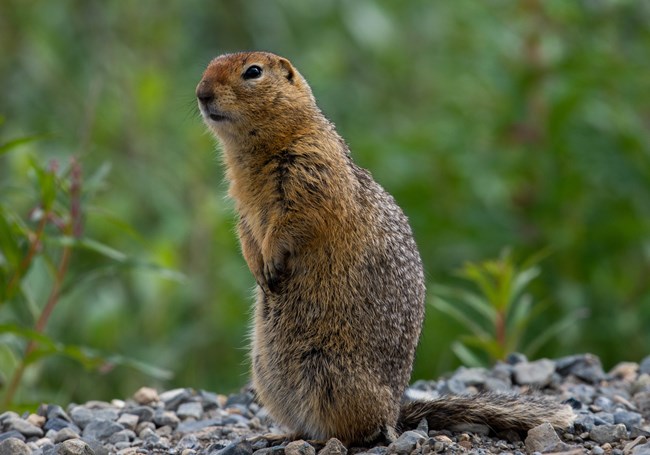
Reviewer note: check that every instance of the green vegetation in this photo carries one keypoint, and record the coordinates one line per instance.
(501, 315)
(494, 124)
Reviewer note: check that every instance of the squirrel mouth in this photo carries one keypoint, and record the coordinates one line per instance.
(217, 117)
(213, 114)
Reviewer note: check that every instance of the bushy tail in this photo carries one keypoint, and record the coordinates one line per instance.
(500, 412)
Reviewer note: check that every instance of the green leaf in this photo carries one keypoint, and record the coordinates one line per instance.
(9, 242)
(143, 367)
(469, 298)
(88, 357)
(466, 356)
(47, 183)
(521, 280)
(14, 143)
(446, 307)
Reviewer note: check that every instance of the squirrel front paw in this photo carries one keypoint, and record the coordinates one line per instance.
(275, 270)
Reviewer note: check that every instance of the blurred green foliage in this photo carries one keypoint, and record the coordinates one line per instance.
(492, 123)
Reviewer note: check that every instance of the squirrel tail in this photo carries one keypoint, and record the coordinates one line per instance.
(500, 412)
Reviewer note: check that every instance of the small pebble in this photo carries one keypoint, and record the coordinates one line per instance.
(407, 442)
(541, 438)
(537, 374)
(145, 395)
(64, 434)
(24, 427)
(612, 418)
(191, 409)
(333, 447)
(299, 447)
(608, 433)
(74, 447)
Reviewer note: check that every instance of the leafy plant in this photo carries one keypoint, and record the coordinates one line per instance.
(46, 238)
(500, 314)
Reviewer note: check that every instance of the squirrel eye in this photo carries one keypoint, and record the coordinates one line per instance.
(252, 72)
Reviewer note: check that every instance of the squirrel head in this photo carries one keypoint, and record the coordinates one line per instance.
(251, 95)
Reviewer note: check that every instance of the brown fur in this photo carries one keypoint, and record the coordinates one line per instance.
(341, 291)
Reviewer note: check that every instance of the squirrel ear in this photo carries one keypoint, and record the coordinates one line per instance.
(289, 72)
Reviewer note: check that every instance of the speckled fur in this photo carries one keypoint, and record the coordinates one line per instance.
(340, 299)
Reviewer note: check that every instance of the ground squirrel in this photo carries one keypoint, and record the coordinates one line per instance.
(340, 299)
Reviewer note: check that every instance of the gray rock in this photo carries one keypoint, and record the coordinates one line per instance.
(542, 438)
(121, 436)
(244, 399)
(56, 412)
(12, 434)
(423, 427)
(242, 447)
(101, 429)
(642, 400)
(471, 376)
(515, 358)
(189, 441)
(334, 447)
(14, 446)
(74, 447)
(173, 398)
(96, 446)
(81, 416)
(24, 427)
(299, 447)
(497, 385)
(128, 420)
(106, 414)
(406, 443)
(603, 403)
(642, 450)
(162, 418)
(64, 434)
(275, 450)
(538, 373)
(8, 415)
(603, 418)
(210, 400)
(190, 409)
(583, 393)
(597, 451)
(58, 423)
(608, 433)
(636, 432)
(144, 413)
(628, 418)
(586, 367)
(644, 366)
(453, 386)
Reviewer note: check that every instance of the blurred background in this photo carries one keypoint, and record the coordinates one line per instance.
(495, 125)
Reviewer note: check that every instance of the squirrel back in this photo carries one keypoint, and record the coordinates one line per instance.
(340, 297)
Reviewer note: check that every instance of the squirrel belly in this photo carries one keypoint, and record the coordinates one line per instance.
(340, 300)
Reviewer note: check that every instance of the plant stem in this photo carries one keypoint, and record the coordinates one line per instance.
(73, 227)
(500, 332)
(40, 325)
(27, 260)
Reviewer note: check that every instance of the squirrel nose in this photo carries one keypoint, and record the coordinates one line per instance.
(204, 93)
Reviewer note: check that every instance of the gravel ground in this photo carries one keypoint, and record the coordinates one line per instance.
(613, 417)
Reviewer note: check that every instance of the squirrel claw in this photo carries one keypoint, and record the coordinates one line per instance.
(274, 271)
